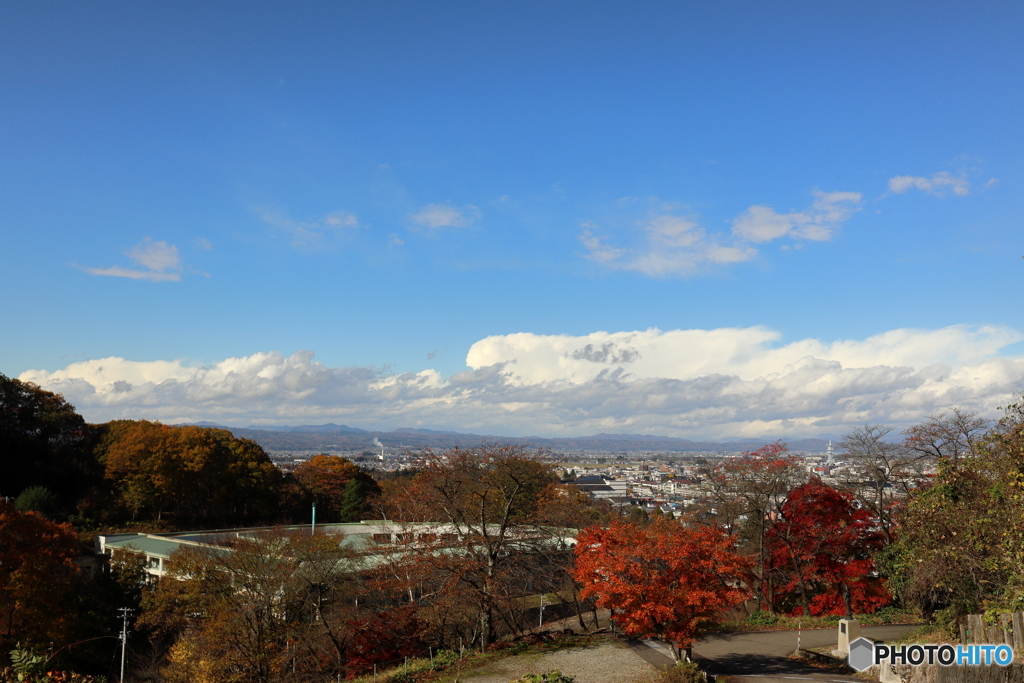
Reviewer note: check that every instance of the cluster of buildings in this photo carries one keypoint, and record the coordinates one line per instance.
(671, 481)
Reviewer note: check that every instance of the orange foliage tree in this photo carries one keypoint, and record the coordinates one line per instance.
(194, 475)
(663, 579)
(333, 482)
(37, 573)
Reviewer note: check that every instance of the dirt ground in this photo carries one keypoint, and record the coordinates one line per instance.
(605, 661)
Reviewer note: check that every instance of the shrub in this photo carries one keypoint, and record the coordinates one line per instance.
(555, 676)
(762, 618)
(443, 658)
(683, 672)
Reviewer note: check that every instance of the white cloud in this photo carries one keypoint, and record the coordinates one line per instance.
(160, 260)
(938, 184)
(761, 224)
(748, 353)
(672, 231)
(597, 250)
(158, 256)
(341, 219)
(677, 245)
(671, 246)
(436, 216)
(691, 383)
(312, 234)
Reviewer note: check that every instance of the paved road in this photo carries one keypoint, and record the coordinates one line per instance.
(764, 655)
(753, 656)
(817, 677)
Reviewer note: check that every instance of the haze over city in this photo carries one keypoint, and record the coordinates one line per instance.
(702, 221)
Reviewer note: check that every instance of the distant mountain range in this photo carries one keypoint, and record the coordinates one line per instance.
(329, 428)
(342, 437)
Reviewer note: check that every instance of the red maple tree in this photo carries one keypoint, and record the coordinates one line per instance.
(822, 543)
(661, 580)
(37, 571)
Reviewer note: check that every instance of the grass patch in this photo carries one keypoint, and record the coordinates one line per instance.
(765, 621)
(929, 633)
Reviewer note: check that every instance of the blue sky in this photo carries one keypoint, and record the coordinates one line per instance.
(698, 219)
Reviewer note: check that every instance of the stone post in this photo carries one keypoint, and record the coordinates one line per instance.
(849, 631)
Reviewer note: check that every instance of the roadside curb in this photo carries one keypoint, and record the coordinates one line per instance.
(652, 656)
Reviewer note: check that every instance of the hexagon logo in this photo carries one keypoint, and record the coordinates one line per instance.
(862, 654)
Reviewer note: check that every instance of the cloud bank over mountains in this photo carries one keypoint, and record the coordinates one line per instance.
(688, 383)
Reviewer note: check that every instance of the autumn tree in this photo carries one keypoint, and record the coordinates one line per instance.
(48, 604)
(37, 574)
(747, 491)
(490, 535)
(823, 543)
(268, 607)
(338, 486)
(194, 475)
(663, 579)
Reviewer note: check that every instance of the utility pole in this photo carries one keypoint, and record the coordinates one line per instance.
(312, 528)
(124, 636)
(542, 603)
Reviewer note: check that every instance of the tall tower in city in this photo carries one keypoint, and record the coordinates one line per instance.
(830, 456)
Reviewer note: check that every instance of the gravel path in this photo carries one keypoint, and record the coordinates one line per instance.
(605, 661)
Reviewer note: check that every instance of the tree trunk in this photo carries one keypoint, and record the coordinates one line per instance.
(486, 625)
(579, 609)
(803, 588)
